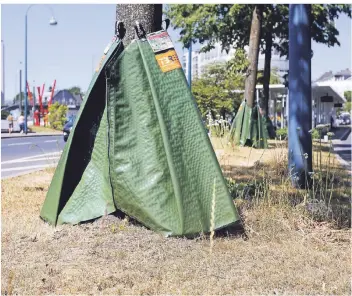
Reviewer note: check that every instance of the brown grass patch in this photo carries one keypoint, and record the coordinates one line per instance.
(285, 252)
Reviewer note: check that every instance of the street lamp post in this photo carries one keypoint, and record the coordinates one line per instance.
(52, 22)
(3, 73)
(20, 105)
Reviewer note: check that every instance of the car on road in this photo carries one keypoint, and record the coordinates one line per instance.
(344, 119)
(68, 127)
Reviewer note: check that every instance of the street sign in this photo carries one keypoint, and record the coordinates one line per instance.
(326, 99)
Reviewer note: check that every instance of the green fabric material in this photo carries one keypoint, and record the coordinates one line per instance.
(78, 152)
(236, 127)
(259, 131)
(148, 153)
(92, 197)
(249, 128)
(246, 126)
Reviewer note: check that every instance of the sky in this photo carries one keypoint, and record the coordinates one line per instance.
(70, 51)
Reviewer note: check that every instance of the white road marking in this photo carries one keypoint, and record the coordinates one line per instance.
(28, 167)
(19, 144)
(29, 160)
(342, 149)
(52, 154)
(50, 141)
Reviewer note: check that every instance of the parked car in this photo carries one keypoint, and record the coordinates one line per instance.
(344, 119)
(68, 127)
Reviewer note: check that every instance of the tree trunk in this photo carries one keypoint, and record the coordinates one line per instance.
(267, 71)
(149, 15)
(254, 40)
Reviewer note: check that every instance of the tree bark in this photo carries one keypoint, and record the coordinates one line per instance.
(149, 15)
(254, 40)
(267, 71)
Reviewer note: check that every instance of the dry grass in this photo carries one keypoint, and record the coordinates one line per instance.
(284, 252)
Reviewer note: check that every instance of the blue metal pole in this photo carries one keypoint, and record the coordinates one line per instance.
(300, 101)
(190, 65)
(25, 77)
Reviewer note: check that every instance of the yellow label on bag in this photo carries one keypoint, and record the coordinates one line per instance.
(168, 61)
(100, 63)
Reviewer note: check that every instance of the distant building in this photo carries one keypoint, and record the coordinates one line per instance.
(73, 102)
(327, 96)
(341, 81)
(200, 60)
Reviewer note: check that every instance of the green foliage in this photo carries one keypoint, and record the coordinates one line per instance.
(246, 190)
(213, 90)
(4, 114)
(274, 77)
(348, 95)
(315, 134)
(282, 132)
(75, 90)
(16, 99)
(57, 116)
(348, 107)
(230, 23)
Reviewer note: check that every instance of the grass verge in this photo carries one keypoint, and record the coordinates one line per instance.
(286, 250)
(42, 129)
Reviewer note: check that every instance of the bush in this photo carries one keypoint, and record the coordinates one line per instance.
(315, 134)
(57, 116)
(245, 190)
(282, 133)
(4, 114)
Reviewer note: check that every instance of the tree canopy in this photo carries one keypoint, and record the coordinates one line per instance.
(230, 24)
(16, 99)
(75, 90)
(348, 104)
(220, 89)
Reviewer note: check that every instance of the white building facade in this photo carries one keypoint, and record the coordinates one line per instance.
(327, 97)
(200, 60)
(330, 96)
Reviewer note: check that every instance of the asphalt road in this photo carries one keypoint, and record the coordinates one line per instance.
(343, 146)
(24, 155)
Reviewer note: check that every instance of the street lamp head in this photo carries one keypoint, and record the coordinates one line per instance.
(53, 21)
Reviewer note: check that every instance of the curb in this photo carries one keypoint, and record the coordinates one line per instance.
(345, 134)
(29, 135)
